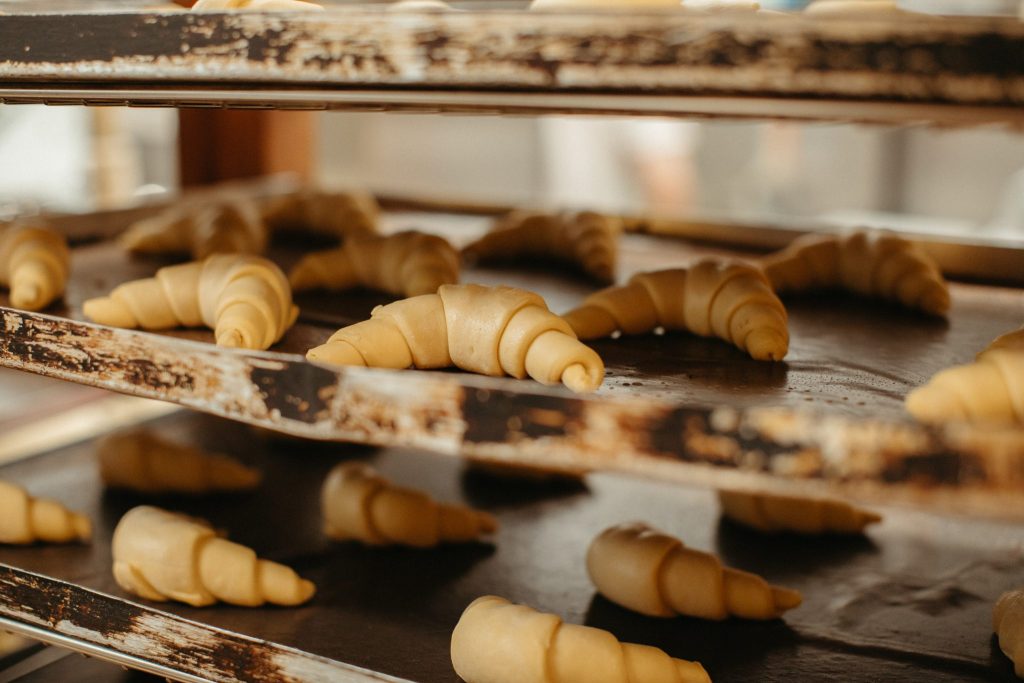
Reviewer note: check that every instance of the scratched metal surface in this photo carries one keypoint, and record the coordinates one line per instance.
(911, 601)
(677, 407)
(363, 57)
(847, 355)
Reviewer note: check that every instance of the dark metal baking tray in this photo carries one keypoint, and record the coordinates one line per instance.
(675, 407)
(911, 601)
(901, 69)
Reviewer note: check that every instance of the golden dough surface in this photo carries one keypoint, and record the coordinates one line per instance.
(489, 330)
(161, 555)
(497, 641)
(650, 572)
(359, 504)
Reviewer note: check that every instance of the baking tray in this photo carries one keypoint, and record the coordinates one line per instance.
(675, 407)
(910, 601)
(900, 69)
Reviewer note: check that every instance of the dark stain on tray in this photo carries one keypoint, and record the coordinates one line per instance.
(494, 416)
(295, 391)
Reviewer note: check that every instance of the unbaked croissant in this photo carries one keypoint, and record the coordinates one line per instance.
(359, 504)
(228, 226)
(34, 262)
(140, 460)
(587, 239)
(991, 389)
(647, 571)
(1008, 625)
(771, 513)
(161, 555)
(488, 330)
(1011, 341)
(497, 641)
(229, 221)
(729, 300)
(868, 262)
(282, 5)
(407, 263)
(25, 519)
(246, 300)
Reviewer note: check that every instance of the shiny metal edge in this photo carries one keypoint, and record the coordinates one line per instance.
(93, 650)
(482, 102)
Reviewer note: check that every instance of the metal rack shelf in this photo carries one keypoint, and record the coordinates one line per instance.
(910, 600)
(913, 69)
(674, 407)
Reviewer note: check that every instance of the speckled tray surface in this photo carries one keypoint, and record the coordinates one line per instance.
(911, 601)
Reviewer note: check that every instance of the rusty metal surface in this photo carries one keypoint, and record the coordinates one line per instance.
(910, 601)
(366, 58)
(675, 407)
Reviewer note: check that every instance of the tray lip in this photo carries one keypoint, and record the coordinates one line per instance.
(509, 421)
(372, 58)
(56, 627)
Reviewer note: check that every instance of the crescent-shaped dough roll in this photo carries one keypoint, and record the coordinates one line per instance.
(359, 504)
(488, 330)
(868, 262)
(34, 263)
(227, 221)
(338, 214)
(1011, 341)
(139, 460)
(246, 300)
(262, 5)
(588, 239)
(989, 390)
(771, 514)
(227, 226)
(729, 300)
(1008, 625)
(647, 571)
(161, 555)
(407, 263)
(24, 519)
(497, 641)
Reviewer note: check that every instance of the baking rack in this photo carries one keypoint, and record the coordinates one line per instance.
(674, 408)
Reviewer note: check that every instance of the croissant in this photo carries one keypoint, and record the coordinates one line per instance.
(161, 555)
(228, 226)
(407, 263)
(586, 238)
(140, 460)
(1008, 625)
(489, 330)
(729, 300)
(335, 214)
(496, 641)
(34, 263)
(282, 5)
(868, 262)
(647, 571)
(232, 222)
(1011, 341)
(246, 300)
(991, 389)
(24, 519)
(359, 504)
(770, 514)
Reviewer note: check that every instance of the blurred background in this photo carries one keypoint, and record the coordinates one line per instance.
(968, 181)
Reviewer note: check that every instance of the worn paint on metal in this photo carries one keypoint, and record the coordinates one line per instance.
(161, 638)
(918, 59)
(509, 421)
